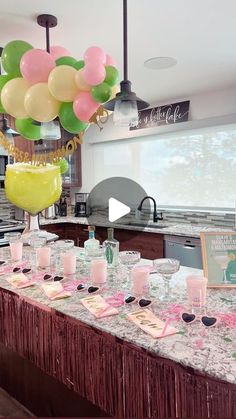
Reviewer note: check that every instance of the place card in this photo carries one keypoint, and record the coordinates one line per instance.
(55, 291)
(20, 281)
(98, 306)
(149, 323)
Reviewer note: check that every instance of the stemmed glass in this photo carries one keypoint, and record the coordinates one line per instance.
(222, 261)
(166, 268)
(129, 258)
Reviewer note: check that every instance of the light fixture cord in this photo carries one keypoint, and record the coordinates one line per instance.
(47, 37)
(125, 40)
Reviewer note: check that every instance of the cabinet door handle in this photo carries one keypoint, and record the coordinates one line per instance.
(188, 246)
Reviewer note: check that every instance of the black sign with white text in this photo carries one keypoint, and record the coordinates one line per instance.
(163, 115)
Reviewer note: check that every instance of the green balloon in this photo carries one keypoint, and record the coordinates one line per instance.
(66, 61)
(101, 93)
(79, 64)
(63, 164)
(68, 119)
(11, 56)
(3, 80)
(112, 75)
(27, 129)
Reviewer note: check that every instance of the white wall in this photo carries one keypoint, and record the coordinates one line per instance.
(210, 104)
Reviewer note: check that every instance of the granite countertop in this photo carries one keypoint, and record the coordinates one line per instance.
(174, 229)
(211, 351)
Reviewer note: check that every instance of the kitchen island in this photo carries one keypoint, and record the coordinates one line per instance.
(170, 228)
(113, 364)
(153, 241)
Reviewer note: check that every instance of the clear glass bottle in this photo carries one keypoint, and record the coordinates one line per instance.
(91, 244)
(111, 246)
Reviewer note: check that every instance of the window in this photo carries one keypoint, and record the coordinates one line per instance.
(195, 169)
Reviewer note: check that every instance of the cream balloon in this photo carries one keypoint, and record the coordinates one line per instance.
(61, 83)
(81, 83)
(40, 104)
(13, 95)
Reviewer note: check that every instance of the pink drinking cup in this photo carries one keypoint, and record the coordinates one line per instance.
(69, 263)
(140, 280)
(16, 249)
(43, 255)
(98, 271)
(196, 290)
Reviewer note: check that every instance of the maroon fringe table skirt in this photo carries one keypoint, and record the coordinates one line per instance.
(120, 378)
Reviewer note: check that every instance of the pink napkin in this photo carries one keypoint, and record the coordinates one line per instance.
(72, 285)
(98, 306)
(20, 281)
(55, 291)
(147, 321)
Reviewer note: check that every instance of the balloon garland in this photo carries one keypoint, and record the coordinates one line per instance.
(41, 86)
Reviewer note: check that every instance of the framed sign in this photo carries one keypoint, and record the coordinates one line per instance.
(219, 258)
(163, 115)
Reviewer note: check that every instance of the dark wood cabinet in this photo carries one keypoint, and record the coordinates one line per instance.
(150, 245)
(73, 177)
(58, 229)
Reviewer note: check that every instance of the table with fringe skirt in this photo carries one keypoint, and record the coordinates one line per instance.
(120, 378)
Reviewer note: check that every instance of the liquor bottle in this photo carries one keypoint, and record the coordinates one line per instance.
(63, 208)
(111, 246)
(91, 244)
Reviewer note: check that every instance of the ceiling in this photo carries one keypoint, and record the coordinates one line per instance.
(201, 35)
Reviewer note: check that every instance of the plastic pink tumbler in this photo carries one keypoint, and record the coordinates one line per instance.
(140, 280)
(98, 271)
(196, 290)
(43, 255)
(16, 245)
(69, 263)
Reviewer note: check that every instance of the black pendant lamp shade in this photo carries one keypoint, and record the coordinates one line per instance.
(126, 94)
(126, 102)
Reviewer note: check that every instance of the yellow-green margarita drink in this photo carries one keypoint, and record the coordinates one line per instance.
(33, 188)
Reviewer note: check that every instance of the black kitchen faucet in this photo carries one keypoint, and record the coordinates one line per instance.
(156, 217)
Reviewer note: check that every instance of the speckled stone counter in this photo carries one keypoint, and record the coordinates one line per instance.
(117, 366)
(187, 230)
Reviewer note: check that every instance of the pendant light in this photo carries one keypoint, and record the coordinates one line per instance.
(126, 104)
(48, 130)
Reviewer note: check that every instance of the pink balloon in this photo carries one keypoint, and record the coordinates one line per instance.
(110, 61)
(57, 52)
(84, 106)
(94, 73)
(95, 54)
(36, 65)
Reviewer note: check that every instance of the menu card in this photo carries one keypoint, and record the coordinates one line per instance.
(98, 306)
(147, 321)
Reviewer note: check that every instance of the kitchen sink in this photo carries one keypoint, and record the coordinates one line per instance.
(157, 226)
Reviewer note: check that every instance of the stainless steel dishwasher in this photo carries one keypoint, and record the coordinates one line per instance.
(186, 249)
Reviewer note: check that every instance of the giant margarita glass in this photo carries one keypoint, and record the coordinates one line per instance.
(33, 188)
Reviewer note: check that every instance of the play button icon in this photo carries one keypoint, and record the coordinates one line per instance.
(114, 202)
(117, 210)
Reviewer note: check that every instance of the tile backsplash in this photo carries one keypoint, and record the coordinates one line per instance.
(206, 218)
